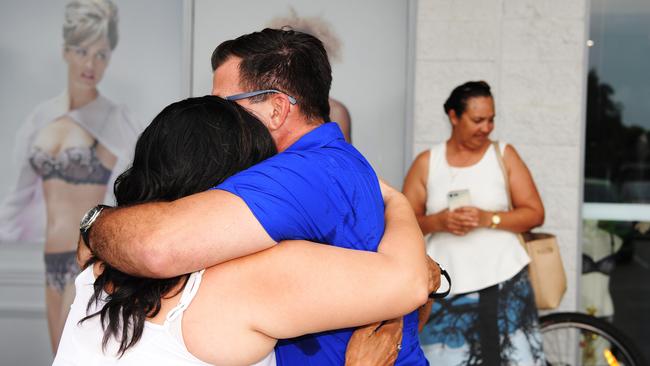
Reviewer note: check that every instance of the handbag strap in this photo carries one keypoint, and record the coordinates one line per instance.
(502, 165)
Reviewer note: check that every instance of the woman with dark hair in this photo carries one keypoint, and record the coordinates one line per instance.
(459, 195)
(232, 313)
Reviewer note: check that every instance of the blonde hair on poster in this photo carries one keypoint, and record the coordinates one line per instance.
(89, 20)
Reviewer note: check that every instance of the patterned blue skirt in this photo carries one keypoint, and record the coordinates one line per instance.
(494, 326)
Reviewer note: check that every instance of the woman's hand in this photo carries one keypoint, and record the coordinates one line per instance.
(424, 312)
(83, 253)
(464, 219)
(475, 217)
(376, 344)
(455, 222)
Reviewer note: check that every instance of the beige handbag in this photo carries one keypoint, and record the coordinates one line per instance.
(545, 269)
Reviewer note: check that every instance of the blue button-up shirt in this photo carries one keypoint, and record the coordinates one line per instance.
(320, 189)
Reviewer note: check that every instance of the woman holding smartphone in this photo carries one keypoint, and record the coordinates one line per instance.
(458, 192)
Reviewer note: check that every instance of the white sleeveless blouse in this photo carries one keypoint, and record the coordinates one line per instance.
(160, 345)
(483, 257)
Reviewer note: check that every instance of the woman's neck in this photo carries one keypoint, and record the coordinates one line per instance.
(80, 97)
(461, 155)
(457, 146)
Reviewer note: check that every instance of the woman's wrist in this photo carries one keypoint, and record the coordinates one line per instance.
(486, 219)
(437, 222)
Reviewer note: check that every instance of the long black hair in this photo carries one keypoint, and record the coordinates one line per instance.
(190, 146)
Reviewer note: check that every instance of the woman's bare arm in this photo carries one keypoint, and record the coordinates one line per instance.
(299, 287)
(415, 190)
(528, 209)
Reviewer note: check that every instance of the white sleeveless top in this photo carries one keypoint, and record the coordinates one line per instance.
(160, 345)
(483, 257)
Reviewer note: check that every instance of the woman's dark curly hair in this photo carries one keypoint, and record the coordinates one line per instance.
(190, 146)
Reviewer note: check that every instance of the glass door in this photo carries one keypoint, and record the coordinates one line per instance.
(616, 211)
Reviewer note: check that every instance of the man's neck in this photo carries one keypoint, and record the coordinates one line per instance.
(290, 136)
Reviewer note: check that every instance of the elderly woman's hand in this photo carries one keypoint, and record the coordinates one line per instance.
(451, 222)
(464, 219)
(376, 344)
(83, 253)
(455, 222)
(474, 217)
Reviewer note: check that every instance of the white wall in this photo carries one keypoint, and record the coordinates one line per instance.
(532, 52)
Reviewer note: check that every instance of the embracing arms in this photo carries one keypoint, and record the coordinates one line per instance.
(298, 287)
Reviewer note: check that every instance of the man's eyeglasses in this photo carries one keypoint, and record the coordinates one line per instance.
(255, 93)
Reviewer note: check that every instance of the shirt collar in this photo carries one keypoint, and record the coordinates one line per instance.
(318, 137)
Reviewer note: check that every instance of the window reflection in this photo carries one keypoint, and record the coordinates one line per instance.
(617, 156)
(616, 254)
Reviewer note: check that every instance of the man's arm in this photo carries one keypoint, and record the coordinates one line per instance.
(166, 239)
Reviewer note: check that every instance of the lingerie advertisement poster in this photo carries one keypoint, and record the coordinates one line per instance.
(80, 81)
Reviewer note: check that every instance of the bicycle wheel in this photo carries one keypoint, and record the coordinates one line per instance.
(578, 339)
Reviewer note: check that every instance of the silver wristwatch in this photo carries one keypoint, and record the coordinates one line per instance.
(88, 220)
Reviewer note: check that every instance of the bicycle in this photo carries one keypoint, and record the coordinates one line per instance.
(577, 339)
(581, 339)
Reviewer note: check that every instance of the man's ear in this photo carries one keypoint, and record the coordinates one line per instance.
(280, 110)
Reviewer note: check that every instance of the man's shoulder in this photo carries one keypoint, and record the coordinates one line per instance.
(333, 162)
(316, 158)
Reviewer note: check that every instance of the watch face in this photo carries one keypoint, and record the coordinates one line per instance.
(90, 217)
(496, 219)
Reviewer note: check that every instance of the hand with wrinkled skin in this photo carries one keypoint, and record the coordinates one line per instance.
(475, 217)
(423, 314)
(453, 222)
(83, 253)
(434, 274)
(434, 284)
(375, 344)
(464, 219)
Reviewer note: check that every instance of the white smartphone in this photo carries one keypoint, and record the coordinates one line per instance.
(458, 198)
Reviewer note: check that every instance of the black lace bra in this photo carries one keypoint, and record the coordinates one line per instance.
(604, 265)
(76, 165)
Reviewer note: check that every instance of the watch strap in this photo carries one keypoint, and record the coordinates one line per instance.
(85, 228)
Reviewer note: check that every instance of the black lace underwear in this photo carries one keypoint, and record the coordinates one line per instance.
(76, 165)
(604, 265)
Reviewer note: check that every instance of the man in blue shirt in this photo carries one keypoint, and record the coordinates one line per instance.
(317, 188)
